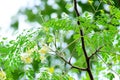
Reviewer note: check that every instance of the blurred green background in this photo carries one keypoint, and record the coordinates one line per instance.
(38, 11)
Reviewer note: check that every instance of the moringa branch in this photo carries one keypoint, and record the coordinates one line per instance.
(97, 50)
(68, 62)
(81, 31)
(72, 66)
(83, 43)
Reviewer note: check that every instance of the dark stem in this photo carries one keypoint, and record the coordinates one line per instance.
(83, 43)
(68, 62)
(97, 50)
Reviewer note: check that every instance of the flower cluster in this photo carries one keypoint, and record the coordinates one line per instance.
(26, 57)
(2, 75)
(43, 52)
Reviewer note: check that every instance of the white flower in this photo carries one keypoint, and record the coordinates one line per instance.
(26, 58)
(44, 50)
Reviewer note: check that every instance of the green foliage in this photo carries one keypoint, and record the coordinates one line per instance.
(110, 76)
(63, 24)
(36, 54)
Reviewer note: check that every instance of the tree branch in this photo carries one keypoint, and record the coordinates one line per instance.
(81, 31)
(97, 50)
(83, 43)
(68, 62)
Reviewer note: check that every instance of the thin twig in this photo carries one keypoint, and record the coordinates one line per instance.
(96, 10)
(98, 7)
(41, 16)
(72, 54)
(93, 8)
(76, 67)
(70, 44)
(106, 64)
(55, 40)
(97, 50)
(67, 62)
